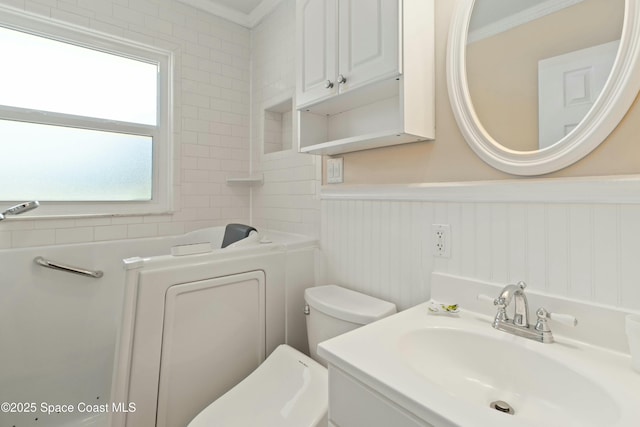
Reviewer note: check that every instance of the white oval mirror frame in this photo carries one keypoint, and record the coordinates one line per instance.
(613, 103)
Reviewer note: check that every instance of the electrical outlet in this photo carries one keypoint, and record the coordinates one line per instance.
(441, 234)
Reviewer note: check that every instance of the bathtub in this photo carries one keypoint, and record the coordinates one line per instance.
(59, 330)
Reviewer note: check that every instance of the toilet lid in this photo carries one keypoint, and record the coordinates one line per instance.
(288, 390)
(348, 305)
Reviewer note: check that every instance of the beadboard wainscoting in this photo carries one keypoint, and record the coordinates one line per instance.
(582, 243)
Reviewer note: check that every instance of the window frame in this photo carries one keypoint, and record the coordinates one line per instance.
(161, 201)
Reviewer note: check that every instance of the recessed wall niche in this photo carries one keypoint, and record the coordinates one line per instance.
(278, 126)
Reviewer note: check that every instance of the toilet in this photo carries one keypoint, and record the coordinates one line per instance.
(290, 389)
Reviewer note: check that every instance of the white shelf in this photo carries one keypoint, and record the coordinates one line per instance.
(247, 181)
(384, 87)
(361, 142)
(382, 114)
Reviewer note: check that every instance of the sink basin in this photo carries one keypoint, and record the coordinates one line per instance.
(481, 368)
(447, 370)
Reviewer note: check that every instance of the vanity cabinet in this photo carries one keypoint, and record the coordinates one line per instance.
(365, 73)
(353, 404)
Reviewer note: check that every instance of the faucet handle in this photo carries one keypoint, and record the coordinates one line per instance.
(565, 319)
(499, 302)
(486, 298)
(501, 315)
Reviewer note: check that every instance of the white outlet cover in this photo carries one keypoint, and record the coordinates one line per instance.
(441, 235)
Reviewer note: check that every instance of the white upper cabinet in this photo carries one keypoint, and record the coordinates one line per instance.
(316, 49)
(368, 44)
(365, 73)
(344, 44)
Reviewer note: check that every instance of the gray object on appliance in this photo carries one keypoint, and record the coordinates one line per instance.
(235, 232)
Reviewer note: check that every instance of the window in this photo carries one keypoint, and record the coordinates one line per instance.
(84, 120)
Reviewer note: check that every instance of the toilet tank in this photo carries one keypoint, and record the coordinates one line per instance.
(333, 310)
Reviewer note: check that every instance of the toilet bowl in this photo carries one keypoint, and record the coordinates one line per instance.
(290, 389)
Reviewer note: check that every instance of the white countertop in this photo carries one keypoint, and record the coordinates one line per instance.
(373, 355)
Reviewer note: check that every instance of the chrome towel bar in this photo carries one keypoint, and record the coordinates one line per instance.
(68, 268)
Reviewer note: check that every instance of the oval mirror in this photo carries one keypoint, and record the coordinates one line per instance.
(535, 85)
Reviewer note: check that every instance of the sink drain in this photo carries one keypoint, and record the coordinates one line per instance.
(502, 406)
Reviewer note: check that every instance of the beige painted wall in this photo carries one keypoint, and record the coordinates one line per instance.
(449, 158)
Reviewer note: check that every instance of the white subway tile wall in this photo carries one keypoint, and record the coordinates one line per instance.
(579, 251)
(288, 200)
(211, 117)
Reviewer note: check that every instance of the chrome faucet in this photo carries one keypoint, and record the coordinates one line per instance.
(519, 325)
(516, 294)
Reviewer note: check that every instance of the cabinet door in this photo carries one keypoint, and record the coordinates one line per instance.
(369, 41)
(316, 23)
(353, 404)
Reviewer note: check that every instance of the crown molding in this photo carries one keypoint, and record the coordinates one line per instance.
(246, 20)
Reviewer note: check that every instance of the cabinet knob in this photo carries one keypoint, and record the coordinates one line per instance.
(342, 79)
(328, 84)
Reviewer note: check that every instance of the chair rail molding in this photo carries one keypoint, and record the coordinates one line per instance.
(617, 189)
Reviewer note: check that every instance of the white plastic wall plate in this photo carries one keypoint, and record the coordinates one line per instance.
(335, 170)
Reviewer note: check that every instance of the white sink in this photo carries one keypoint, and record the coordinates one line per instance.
(480, 369)
(447, 371)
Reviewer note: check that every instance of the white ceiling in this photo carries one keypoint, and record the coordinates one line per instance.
(244, 6)
(247, 13)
